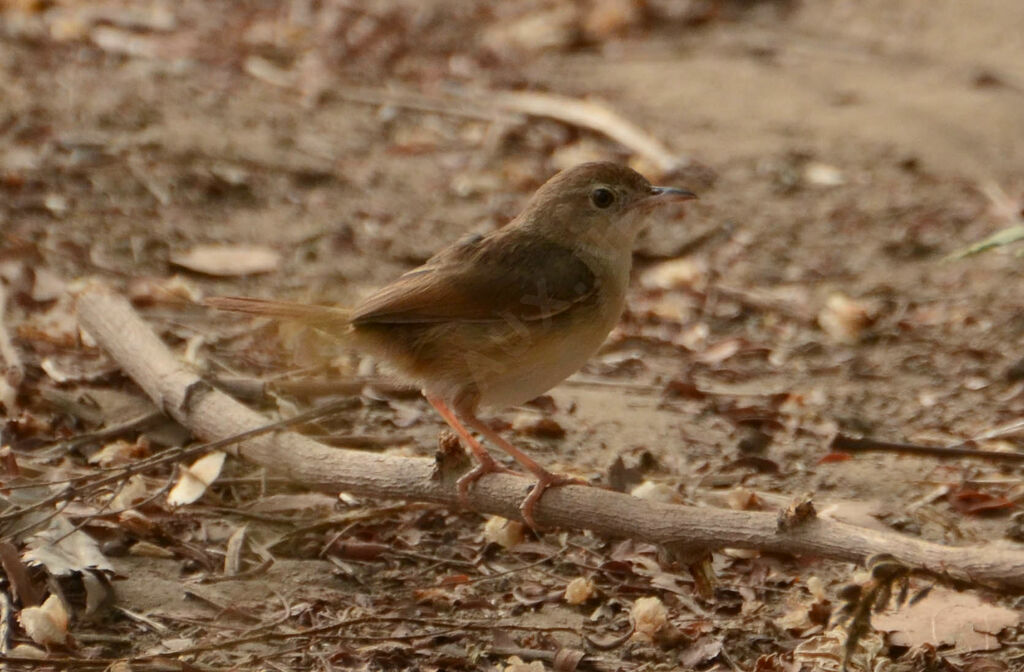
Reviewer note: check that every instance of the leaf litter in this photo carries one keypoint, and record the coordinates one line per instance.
(712, 338)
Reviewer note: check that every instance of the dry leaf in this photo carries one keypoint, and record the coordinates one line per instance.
(674, 274)
(117, 452)
(817, 588)
(152, 290)
(977, 502)
(948, 617)
(719, 352)
(233, 551)
(824, 652)
(8, 397)
(47, 286)
(67, 367)
(579, 590)
(27, 651)
(582, 151)
(700, 652)
(612, 17)
(649, 615)
(98, 592)
(145, 549)
(503, 532)
(742, 499)
(228, 260)
(844, 319)
(269, 72)
(796, 618)
(567, 660)
(859, 513)
(46, 624)
(823, 175)
(516, 664)
(543, 427)
(437, 597)
(134, 490)
(554, 29)
(193, 481)
(124, 42)
(805, 613)
(657, 492)
(63, 550)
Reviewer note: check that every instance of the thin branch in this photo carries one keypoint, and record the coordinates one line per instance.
(212, 415)
(850, 444)
(137, 424)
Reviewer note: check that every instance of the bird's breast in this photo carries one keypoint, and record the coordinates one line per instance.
(546, 352)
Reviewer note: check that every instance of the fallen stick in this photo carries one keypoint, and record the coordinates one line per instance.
(211, 415)
(850, 444)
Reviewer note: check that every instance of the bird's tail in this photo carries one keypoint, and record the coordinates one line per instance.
(328, 318)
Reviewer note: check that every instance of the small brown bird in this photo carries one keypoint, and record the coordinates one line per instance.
(495, 320)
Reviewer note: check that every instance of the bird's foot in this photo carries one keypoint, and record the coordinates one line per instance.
(485, 465)
(545, 480)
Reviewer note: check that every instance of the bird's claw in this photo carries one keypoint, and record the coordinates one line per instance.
(545, 480)
(482, 468)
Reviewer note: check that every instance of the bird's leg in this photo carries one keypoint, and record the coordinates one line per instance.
(545, 479)
(485, 463)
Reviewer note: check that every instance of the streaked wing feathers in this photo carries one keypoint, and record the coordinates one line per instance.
(483, 280)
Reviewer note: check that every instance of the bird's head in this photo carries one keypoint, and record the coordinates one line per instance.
(596, 204)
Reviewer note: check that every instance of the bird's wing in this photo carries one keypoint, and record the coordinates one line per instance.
(484, 279)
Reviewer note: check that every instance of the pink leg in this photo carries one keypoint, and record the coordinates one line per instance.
(545, 479)
(485, 463)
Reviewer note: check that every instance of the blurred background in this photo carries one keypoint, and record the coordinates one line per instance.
(313, 150)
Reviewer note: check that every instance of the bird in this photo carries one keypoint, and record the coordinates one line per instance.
(493, 321)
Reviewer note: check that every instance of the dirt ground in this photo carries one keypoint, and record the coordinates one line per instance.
(842, 150)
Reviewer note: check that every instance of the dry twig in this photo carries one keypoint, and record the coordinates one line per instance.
(850, 444)
(210, 414)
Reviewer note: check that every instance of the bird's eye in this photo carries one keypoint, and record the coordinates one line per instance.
(602, 197)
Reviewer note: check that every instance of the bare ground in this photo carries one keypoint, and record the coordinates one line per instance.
(840, 149)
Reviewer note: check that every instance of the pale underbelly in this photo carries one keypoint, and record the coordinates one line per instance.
(539, 366)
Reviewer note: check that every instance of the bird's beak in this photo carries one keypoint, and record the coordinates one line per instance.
(672, 194)
(660, 195)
